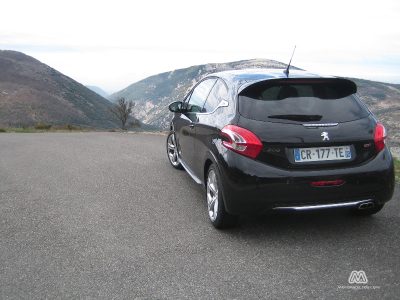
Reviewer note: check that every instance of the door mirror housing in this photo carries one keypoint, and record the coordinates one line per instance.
(176, 107)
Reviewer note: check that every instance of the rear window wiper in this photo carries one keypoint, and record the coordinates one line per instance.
(300, 118)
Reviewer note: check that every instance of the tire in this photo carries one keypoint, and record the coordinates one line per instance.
(368, 212)
(172, 151)
(215, 203)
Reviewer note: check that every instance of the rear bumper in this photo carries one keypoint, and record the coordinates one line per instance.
(250, 186)
(326, 206)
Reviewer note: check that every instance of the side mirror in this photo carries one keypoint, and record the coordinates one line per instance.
(175, 107)
(223, 103)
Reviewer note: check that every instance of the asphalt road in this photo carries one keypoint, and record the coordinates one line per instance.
(103, 215)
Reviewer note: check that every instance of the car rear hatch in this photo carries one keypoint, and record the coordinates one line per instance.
(308, 123)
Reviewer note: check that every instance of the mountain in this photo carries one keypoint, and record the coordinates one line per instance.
(383, 99)
(153, 94)
(32, 92)
(98, 90)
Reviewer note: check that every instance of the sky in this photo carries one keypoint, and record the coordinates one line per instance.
(112, 44)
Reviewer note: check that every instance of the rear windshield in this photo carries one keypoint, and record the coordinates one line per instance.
(291, 101)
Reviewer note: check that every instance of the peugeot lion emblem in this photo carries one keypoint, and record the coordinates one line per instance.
(325, 136)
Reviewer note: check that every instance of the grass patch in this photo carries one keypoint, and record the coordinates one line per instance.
(42, 126)
(69, 127)
(397, 169)
(23, 130)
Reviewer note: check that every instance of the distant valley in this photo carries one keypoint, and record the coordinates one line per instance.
(98, 90)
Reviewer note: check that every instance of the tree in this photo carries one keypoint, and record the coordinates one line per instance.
(122, 110)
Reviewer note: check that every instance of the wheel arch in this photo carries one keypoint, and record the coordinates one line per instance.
(210, 158)
(207, 165)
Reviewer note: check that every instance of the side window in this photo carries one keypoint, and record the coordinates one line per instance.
(199, 96)
(217, 94)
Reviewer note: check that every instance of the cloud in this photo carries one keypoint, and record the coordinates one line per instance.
(114, 43)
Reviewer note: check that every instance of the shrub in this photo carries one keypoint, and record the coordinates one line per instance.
(72, 127)
(68, 127)
(3, 130)
(42, 126)
(134, 123)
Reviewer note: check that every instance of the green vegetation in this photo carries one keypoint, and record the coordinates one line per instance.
(397, 169)
(43, 127)
(133, 125)
(23, 129)
(69, 127)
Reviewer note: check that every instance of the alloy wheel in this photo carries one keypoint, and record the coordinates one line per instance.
(212, 195)
(172, 150)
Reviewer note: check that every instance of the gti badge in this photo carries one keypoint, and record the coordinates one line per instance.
(325, 136)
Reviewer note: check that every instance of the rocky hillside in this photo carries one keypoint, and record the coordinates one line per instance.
(153, 94)
(384, 101)
(32, 92)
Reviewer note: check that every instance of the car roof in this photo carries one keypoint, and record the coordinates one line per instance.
(240, 79)
(253, 75)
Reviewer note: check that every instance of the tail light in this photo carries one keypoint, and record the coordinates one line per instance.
(241, 141)
(323, 183)
(379, 137)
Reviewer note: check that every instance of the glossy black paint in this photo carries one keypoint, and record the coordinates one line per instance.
(280, 139)
(273, 179)
(254, 187)
(175, 107)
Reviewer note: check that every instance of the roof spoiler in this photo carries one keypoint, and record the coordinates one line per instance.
(347, 87)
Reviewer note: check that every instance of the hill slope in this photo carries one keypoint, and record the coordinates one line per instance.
(32, 92)
(153, 94)
(383, 99)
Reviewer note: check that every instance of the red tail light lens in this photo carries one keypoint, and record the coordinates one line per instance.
(379, 137)
(241, 140)
(322, 183)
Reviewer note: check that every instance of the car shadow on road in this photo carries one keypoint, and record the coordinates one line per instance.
(324, 223)
(318, 225)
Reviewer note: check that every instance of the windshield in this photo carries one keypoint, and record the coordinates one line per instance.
(321, 101)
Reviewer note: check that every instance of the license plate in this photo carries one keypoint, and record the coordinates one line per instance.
(322, 154)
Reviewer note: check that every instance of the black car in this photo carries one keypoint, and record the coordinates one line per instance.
(262, 140)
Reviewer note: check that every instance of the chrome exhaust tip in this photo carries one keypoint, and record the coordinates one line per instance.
(366, 205)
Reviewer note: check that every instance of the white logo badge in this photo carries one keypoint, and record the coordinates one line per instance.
(325, 136)
(358, 277)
